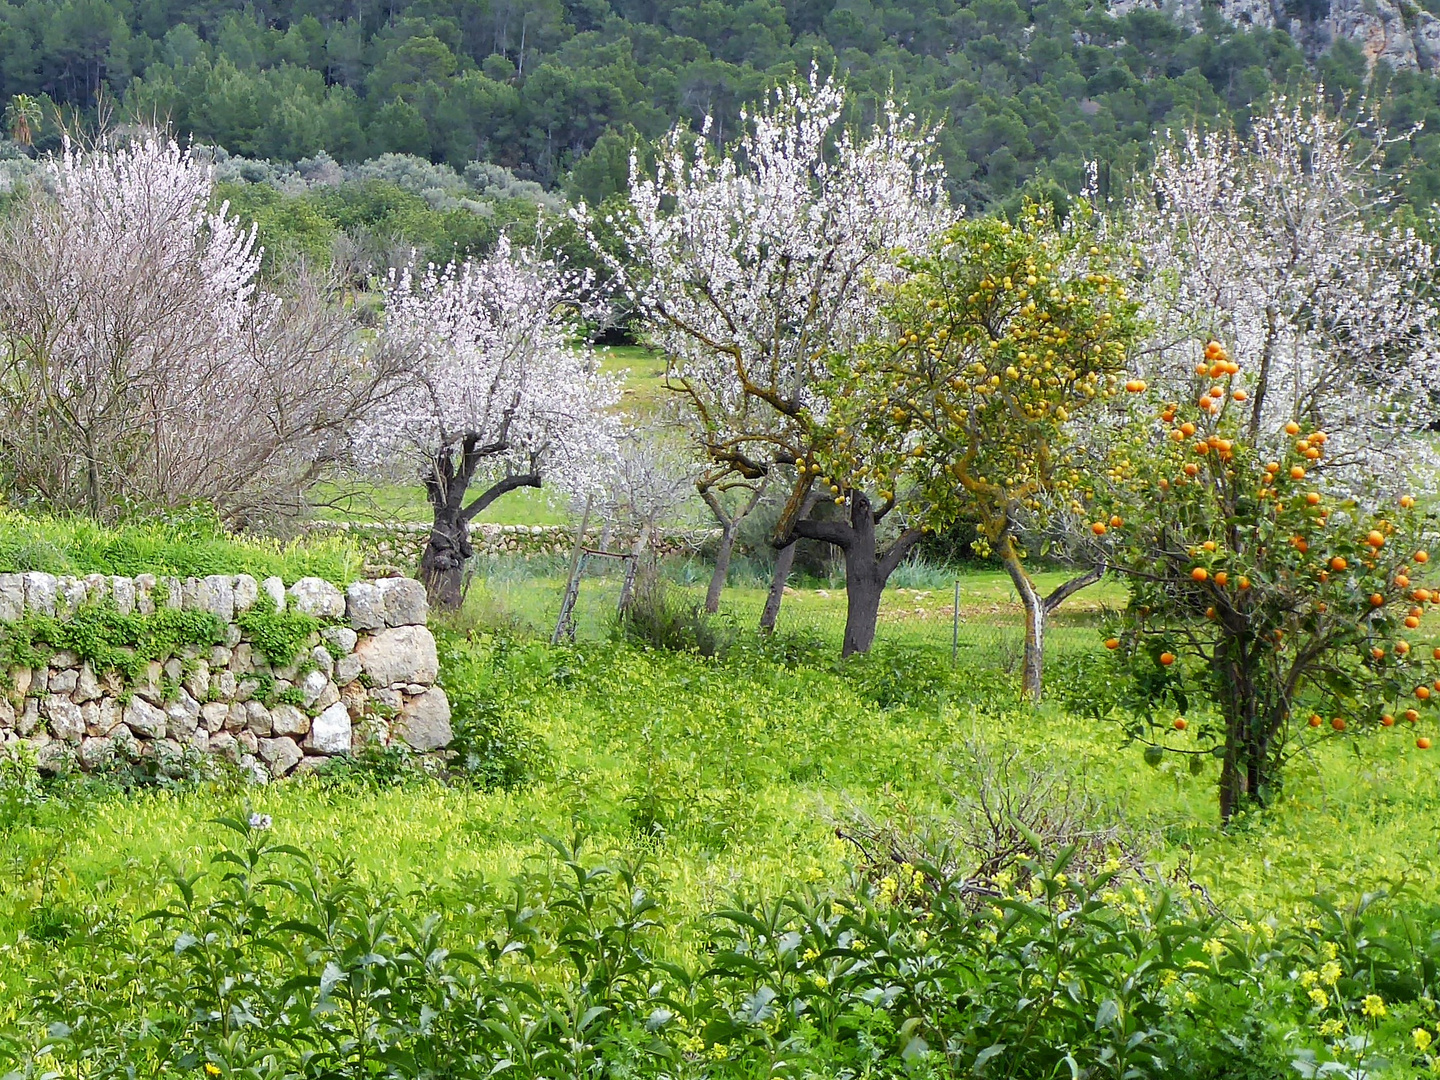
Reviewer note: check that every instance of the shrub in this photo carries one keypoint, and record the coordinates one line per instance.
(663, 620)
(272, 963)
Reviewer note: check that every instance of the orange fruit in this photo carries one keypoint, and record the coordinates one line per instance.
(1376, 600)
(1375, 538)
(1167, 658)
(1222, 579)
(1412, 622)
(1112, 643)
(1292, 428)
(1421, 557)
(1192, 469)
(1387, 720)
(1423, 693)
(1239, 395)
(1210, 613)
(1315, 721)
(1423, 743)
(1412, 716)
(1401, 581)
(1406, 502)
(1098, 528)
(1338, 723)
(1209, 545)
(1187, 429)
(1244, 583)
(1378, 653)
(1297, 473)
(1180, 724)
(1338, 563)
(1116, 521)
(1312, 498)
(1402, 648)
(1302, 545)
(1199, 574)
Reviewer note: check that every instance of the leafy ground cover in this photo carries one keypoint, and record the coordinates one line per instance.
(719, 785)
(181, 546)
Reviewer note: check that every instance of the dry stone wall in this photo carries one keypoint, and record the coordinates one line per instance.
(366, 676)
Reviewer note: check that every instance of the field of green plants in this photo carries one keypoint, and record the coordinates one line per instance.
(647, 862)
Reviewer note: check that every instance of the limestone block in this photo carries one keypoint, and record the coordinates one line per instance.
(213, 715)
(404, 654)
(288, 720)
(64, 719)
(405, 603)
(217, 596)
(315, 596)
(365, 606)
(347, 670)
(182, 716)
(12, 597)
(145, 719)
(87, 686)
(122, 591)
(145, 594)
(275, 589)
(258, 719)
(69, 595)
(197, 682)
(281, 755)
(341, 639)
(244, 590)
(63, 682)
(330, 733)
(40, 590)
(313, 685)
(424, 721)
(95, 752)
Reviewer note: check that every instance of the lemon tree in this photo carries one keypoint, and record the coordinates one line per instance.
(1001, 340)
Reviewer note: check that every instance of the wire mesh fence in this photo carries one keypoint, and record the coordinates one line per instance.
(973, 617)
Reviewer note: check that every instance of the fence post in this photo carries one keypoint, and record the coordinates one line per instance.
(955, 626)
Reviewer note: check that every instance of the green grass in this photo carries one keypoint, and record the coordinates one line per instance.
(182, 547)
(644, 376)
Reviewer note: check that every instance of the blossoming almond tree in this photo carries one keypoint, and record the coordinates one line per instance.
(1282, 246)
(489, 384)
(755, 265)
(143, 361)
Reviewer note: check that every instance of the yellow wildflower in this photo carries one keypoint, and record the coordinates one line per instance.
(1320, 998)
(1309, 978)
(1332, 1027)
(1215, 947)
(1421, 1038)
(1373, 1006)
(1331, 950)
(1330, 973)
(211, 1069)
(809, 954)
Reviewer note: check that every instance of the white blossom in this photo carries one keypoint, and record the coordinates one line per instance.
(1283, 245)
(486, 351)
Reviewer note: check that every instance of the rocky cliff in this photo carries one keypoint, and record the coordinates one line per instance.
(1399, 33)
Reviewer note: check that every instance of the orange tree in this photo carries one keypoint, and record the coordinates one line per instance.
(1294, 611)
(999, 342)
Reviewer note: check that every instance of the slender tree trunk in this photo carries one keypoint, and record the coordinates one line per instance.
(1245, 770)
(722, 568)
(627, 589)
(1033, 674)
(784, 560)
(565, 623)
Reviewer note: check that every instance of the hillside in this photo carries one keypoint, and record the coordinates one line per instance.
(558, 90)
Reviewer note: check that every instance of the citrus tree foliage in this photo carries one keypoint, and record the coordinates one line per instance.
(143, 361)
(1283, 245)
(1002, 339)
(1262, 589)
(489, 387)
